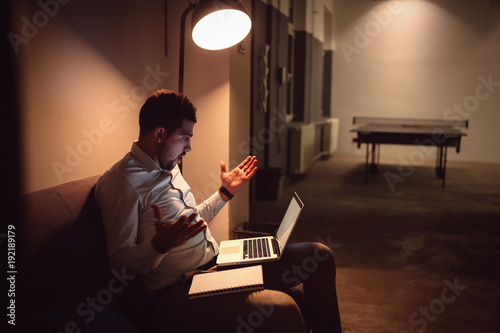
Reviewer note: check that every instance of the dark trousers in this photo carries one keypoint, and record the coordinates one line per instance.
(280, 307)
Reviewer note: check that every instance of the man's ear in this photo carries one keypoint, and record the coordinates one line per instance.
(160, 134)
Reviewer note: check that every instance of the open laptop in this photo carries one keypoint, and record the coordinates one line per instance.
(261, 249)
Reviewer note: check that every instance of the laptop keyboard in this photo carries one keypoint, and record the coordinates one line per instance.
(256, 248)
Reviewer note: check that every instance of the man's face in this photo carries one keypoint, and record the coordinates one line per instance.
(176, 145)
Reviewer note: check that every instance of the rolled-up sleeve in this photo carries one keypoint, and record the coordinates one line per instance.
(209, 208)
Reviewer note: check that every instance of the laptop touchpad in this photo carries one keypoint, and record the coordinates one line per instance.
(230, 250)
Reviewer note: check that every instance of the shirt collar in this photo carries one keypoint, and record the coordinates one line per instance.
(147, 162)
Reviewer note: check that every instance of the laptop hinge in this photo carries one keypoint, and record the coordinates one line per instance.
(276, 246)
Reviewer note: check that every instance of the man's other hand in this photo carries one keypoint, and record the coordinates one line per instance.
(173, 234)
(234, 180)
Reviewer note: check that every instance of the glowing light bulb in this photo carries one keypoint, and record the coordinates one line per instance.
(221, 29)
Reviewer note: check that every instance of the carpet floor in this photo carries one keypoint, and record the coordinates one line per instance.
(411, 256)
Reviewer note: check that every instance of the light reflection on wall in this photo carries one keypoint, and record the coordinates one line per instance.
(416, 60)
(70, 127)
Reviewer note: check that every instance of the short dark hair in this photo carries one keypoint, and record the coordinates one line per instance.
(167, 109)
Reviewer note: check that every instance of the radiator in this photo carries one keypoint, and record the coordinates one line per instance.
(331, 136)
(301, 148)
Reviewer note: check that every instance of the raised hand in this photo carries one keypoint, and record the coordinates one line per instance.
(173, 234)
(234, 180)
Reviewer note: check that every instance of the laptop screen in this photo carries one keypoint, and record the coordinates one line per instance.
(291, 215)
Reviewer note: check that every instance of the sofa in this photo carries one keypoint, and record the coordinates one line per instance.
(66, 282)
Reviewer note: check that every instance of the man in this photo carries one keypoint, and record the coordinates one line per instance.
(146, 186)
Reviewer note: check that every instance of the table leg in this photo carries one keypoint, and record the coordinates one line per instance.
(366, 162)
(378, 154)
(373, 164)
(439, 162)
(444, 165)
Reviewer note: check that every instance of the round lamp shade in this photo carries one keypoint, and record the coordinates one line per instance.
(219, 24)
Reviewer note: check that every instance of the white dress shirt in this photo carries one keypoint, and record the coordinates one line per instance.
(125, 194)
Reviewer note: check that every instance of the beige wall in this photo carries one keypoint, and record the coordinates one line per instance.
(87, 70)
(82, 86)
(419, 59)
(75, 123)
(239, 125)
(219, 84)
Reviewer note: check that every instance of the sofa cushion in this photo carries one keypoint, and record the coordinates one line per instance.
(65, 266)
(50, 209)
(65, 257)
